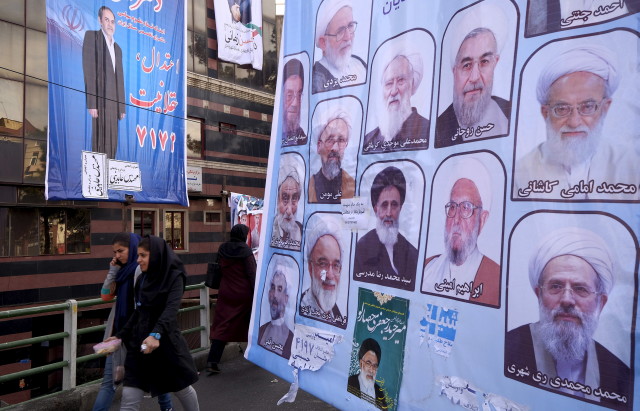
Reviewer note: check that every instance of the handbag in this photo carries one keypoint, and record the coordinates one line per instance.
(214, 275)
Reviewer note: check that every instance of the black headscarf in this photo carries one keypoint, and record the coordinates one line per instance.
(124, 279)
(237, 246)
(164, 267)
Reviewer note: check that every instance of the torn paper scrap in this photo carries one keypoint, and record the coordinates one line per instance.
(312, 347)
(290, 396)
(494, 402)
(459, 391)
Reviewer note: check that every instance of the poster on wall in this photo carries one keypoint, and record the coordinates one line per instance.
(117, 101)
(239, 31)
(455, 193)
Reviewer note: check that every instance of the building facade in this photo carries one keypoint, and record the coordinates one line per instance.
(51, 251)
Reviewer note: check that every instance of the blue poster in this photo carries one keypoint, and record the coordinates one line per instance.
(478, 161)
(117, 101)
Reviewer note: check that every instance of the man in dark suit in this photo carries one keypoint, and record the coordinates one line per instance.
(572, 274)
(104, 83)
(240, 10)
(363, 384)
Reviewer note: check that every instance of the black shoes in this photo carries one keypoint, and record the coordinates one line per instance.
(212, 368)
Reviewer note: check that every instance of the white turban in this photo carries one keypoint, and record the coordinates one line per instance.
(283, 265)
(472, 169)
(324, 116)
(326, 11)
(590, 58)
(323, 225)
(415, 59)
(484, 15)
(577, 242)
(288, 168)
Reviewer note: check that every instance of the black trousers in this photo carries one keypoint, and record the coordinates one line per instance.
(216, 350)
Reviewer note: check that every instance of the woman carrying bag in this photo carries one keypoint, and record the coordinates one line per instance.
(235, 295)
(158, 358)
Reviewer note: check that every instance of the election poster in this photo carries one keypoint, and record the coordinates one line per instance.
(239, 31)
(467, 178)
(117, 101)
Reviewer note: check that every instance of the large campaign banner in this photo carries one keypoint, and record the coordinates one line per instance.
(117, 101)
(451, 211)
(239, 31)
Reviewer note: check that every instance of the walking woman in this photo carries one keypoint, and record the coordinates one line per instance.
(120, 279)
(158, 358)
(235, 296)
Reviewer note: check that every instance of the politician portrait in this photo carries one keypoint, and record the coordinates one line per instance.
(477, 63)
(295, 106)
(465, 230)
(578, 270)
(240, 11)
(326, 256)
(387, 254)
(342, 44)
(334, 143)
(579, 142)
(104, 83)
(546, 16)
(363, 384)
(400, 94)
(287, 227)
(278, 305)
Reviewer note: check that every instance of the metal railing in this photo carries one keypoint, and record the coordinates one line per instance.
(70, 360)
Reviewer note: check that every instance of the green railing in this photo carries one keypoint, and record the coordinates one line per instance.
(70, 360)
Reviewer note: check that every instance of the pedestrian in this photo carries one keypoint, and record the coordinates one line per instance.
(158, 358)
(235, 296)
(119, 281)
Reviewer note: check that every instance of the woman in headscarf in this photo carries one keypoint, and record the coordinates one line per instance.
(158, 358)
(119, 281)
(235, 296)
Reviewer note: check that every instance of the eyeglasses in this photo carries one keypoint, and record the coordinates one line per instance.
(339, 35)
(555, 288)
(324, 264)
(586, 108)
(371, 365)
(466, 209)
(329, 142)
(291, 95)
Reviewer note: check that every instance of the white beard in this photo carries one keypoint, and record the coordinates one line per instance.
(458, 257)
(288, 226)
(387, 235)
(340, 60)
(292, 125)
(566, 340)
(572, 151)
(470, 113)
(326, 298)
(392, 119)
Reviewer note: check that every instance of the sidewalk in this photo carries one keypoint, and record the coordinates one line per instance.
(241, 385)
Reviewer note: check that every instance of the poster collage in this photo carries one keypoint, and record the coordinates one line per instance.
(453, 192)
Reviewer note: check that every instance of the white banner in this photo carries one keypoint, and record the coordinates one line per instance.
(239, 27)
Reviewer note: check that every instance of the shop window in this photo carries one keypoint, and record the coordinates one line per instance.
(174, 229)
(144, 222)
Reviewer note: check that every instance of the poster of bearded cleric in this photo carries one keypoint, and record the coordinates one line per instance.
(377, 356)
(472, 156)
(117, 101)
(570, 315)
(576, 137)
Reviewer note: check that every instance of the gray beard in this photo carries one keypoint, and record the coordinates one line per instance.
(458, 257)
(566, 340)
(391, 121)
(326, 299)
(331, 168)
(341, 62)
(469, 114)
(292, 126)
(572, 151)
(387, 235)
(288, 226)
